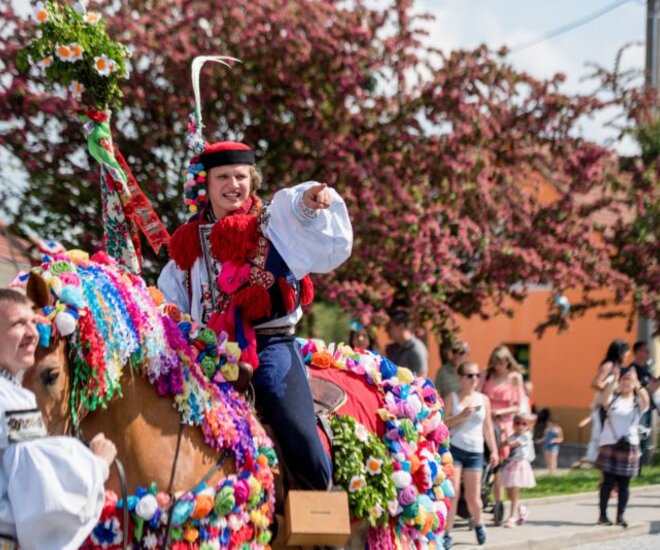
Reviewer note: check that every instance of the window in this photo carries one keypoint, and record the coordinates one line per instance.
(521, 354)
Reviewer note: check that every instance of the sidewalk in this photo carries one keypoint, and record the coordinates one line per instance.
(567, 521)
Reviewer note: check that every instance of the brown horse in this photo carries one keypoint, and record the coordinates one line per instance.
(143, 425)
(153, 442)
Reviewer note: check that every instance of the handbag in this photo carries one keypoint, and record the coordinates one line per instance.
(622, 442)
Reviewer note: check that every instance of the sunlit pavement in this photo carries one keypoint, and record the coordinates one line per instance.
(569, 521)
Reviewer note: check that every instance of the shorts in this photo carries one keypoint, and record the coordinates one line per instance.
(468, 460)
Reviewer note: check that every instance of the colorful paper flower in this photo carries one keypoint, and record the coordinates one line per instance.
(76, 51)
(322, 359)
(356, 483)
(361, 433)
(76, 89)
(92, 17)
(63, 52)
(374, 466)
(46, 62)
(103, 65)
(40, 13)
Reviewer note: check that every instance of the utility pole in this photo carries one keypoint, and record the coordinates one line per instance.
(652, 42)
(645, 325)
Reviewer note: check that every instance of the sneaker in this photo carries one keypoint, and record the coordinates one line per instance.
(480, 530)
(603, 521)
(622, 522)
(510, 523)
(498, 513)
(522, 515)
(447, 541)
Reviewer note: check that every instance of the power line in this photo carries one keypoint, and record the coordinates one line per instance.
(569, 26)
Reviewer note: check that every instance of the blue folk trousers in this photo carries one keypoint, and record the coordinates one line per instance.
(285, 402)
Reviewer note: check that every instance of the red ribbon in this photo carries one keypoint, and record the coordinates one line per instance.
(140, 211)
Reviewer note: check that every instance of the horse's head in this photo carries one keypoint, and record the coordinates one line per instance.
(49, 378)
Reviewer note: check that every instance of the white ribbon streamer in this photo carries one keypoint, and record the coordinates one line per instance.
(197, 64)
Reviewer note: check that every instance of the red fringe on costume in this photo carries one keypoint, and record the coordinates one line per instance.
(234, 238)
(253, 301)
(249, 355)
(185, 246)
(288, 295)
(306, 290)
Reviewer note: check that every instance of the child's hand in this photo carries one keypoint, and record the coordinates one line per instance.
(317, 197)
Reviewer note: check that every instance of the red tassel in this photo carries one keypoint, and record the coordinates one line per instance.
(288, 296)
(234, 238)
(253, 301)
(184, 245)
(306, 290)
(249, 355)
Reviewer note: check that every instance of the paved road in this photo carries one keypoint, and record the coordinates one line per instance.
(568, 522)
(645, 542)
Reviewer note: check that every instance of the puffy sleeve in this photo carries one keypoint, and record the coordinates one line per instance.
(309, 241)
(172, 283)
(55, 488)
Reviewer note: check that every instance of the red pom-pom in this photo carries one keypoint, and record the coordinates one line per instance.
(102, 257)
(184, 245)
(253, 301)
(306, 290)
(234, 238)
(288, 295)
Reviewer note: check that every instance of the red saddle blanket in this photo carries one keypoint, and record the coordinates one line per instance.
(362, 400)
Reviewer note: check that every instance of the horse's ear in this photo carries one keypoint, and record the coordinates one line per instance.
(38, 291)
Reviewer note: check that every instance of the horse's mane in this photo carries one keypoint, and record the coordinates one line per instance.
(114, 323)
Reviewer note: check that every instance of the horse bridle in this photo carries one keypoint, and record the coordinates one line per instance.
(75, 431)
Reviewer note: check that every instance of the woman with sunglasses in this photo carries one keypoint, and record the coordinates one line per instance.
(503, 384)
(468, 415)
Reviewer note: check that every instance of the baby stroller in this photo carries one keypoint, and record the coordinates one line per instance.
(487, 480)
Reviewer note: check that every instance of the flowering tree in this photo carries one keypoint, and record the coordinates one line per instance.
(634, 238)
(464, 177)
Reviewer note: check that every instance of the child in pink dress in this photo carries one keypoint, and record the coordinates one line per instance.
(517, 473)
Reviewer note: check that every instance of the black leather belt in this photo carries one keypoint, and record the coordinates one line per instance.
(276, 331)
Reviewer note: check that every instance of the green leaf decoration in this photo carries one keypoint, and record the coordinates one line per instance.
(363, 468)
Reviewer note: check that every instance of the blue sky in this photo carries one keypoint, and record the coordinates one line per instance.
(468, 23)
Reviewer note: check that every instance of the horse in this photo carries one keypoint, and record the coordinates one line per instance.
(93, 312)
(402, 414)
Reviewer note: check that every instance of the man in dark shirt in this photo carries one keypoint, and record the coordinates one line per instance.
(406, 350)
(640, 363)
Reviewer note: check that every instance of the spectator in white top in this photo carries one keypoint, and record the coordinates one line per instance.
(624, 401)
(468, 415)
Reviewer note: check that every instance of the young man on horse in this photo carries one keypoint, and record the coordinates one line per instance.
(51, 488)
(243, 267)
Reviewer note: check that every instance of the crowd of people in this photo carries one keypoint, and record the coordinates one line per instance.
(495, 430)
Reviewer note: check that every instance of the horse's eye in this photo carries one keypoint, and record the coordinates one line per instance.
(49, 376)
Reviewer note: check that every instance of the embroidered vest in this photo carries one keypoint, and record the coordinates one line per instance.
(249, 281)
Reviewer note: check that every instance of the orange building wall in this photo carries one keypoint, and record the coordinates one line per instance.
(562, 364)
